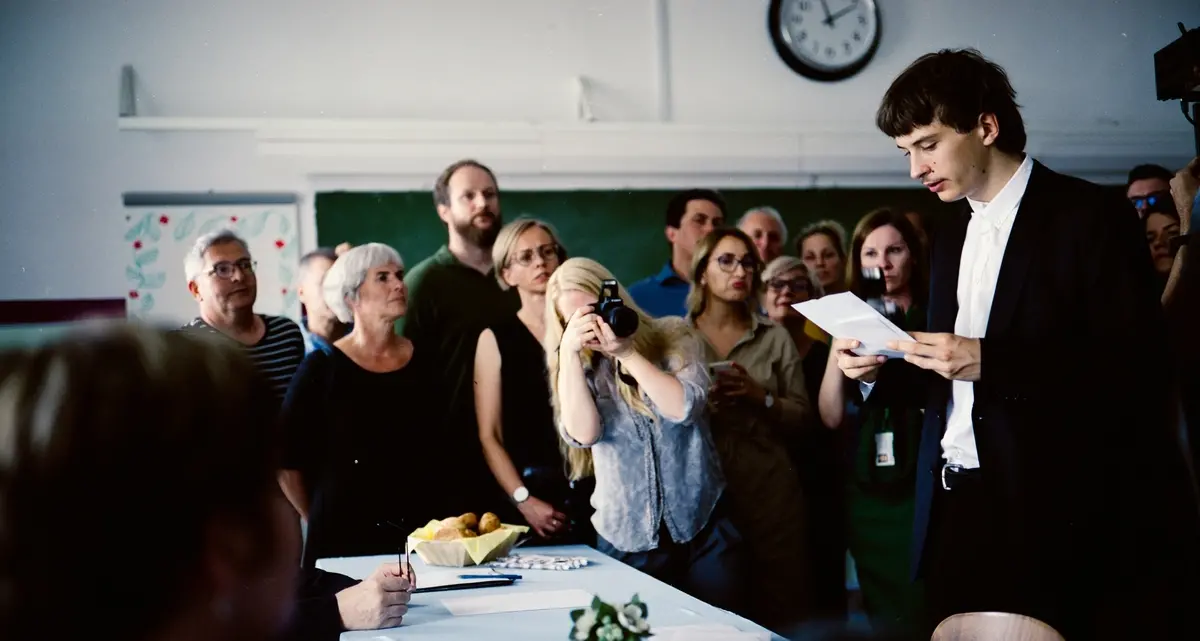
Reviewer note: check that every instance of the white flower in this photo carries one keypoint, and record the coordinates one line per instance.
(584, 624)
(631, 617)
(610, 632)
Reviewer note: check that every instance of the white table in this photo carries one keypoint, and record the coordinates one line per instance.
(613, 581)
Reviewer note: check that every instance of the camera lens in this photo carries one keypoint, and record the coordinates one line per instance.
(622, 320)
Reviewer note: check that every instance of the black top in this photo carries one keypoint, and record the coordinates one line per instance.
(813, 364)
(449, 304)
(528, 417)
(367, 445)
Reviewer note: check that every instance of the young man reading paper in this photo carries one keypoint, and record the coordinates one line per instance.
(1050, 483)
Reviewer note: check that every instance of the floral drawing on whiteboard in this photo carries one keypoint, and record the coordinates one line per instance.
(143, 275)
(145, 233)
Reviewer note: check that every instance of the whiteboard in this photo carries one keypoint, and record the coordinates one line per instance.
(158, 238)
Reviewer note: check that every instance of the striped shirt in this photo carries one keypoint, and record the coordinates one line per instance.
(277, 354)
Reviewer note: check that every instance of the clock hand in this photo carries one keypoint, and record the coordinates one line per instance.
(830, 19)
(825, 7)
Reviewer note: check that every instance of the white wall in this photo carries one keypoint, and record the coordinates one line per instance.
(1082, 69)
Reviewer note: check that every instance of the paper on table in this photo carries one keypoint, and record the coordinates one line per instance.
(706, 632)
(845, 315)
(517, 602)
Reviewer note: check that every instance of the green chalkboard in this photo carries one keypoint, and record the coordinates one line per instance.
(620, 228)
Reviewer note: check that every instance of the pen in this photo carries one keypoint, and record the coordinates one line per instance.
(510, 577)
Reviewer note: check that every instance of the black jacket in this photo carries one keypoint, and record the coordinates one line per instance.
(316, 617)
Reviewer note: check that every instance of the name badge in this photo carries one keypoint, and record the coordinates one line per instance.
(885, 454)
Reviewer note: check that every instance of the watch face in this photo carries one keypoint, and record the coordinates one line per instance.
(825, 39)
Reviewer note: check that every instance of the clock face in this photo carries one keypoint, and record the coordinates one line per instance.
(825, 39)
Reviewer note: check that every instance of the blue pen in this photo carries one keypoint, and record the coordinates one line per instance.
(511, 577)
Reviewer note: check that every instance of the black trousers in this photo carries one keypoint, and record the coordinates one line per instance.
(975, 564)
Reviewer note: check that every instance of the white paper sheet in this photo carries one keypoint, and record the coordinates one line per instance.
(517, 602)
(848, 316)
(706, 632)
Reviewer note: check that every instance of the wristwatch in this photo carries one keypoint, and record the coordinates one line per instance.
(769, 400)
(520, 495)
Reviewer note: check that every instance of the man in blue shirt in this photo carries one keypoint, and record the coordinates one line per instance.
(318, 324)
(691, 215)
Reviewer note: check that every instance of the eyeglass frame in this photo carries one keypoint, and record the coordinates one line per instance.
(749, 263)
(247, 266)
(1151, 200)
(552, 250)
(790, 283)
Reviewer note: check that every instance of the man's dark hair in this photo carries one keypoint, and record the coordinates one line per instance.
(320, 252)
(953, 87)
(679, 202)
(1148, 171)
(441, 189)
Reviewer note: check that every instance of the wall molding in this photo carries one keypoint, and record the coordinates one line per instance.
(820, 155)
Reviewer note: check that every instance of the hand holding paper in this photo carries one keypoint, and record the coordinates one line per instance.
(854, 367)
(847, 316)
(953, 357)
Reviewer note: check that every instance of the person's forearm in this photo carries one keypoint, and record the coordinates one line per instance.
(831, 402)
(1173, 277)
(500, 463)
(577, 408)
(664, 390)
(293, 488)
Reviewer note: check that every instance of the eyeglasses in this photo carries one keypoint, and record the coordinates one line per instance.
(547, 253)
(1151, 200)
(727, 263)
(796, 285)
(225, 269)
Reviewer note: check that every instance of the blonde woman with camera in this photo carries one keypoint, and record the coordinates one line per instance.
(630, 391)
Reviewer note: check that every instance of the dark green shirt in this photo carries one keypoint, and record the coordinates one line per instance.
(449, 304)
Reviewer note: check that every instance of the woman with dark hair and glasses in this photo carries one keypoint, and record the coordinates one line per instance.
(512, 400)
(759, 405)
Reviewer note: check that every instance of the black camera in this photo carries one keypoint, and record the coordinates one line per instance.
(610, 307)
(1177, 75)
(873, 290)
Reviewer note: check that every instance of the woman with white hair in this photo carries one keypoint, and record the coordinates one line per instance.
(350, 411)
(631, 410)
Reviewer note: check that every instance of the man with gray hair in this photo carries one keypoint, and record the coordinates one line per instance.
(764, 225)
(220, 276)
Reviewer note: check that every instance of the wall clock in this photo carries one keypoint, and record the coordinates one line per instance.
(824, 40)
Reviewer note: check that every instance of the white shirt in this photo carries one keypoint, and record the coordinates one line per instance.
(982, 253)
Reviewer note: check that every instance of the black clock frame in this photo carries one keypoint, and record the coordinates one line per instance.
(803, 68)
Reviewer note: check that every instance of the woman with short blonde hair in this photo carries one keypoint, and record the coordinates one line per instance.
(637, 403)
(512, 402)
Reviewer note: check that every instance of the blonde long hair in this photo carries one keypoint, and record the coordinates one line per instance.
(654, 339)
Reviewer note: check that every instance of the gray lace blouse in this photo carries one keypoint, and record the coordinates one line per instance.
(653, 471)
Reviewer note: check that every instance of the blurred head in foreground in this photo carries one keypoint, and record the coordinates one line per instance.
(138, 497)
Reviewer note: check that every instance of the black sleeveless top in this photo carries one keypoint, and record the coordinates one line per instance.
(528, 418)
